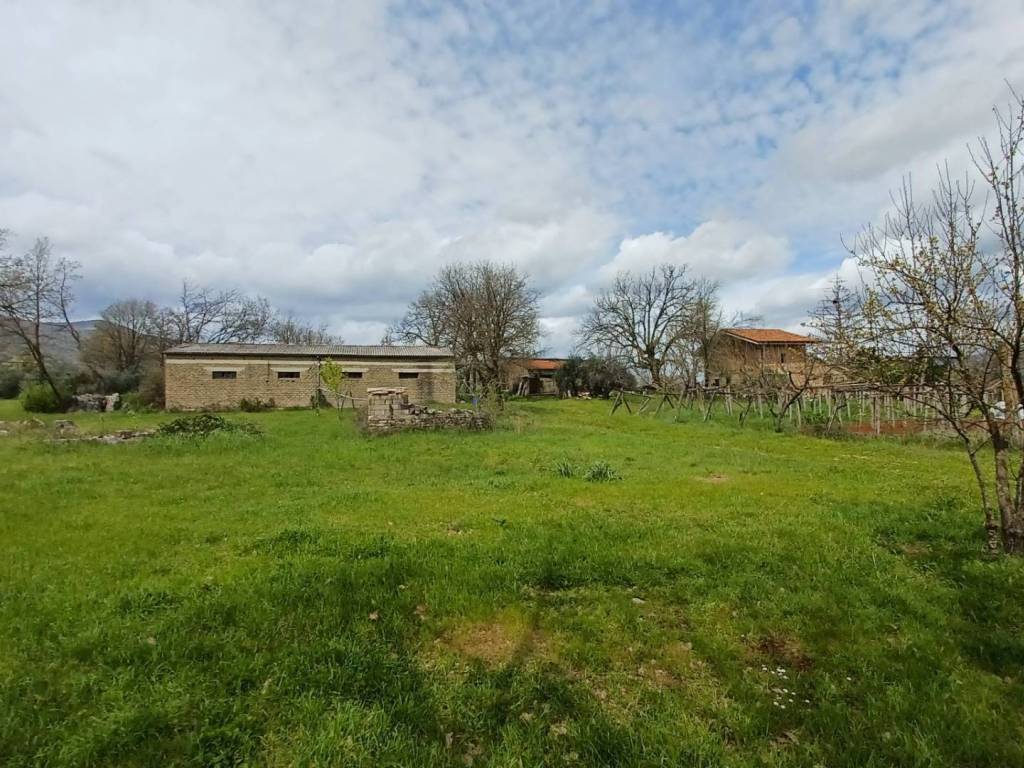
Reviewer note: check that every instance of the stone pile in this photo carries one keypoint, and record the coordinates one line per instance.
(114, 438)
(92, 402)
(389, 410)
(66, 431)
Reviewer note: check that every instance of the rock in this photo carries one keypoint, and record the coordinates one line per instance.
(112, 403)
(33, 423)
(64, 425)
(4, 432)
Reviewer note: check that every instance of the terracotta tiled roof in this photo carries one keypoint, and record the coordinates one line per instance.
(307, 350)
(541, 363)
(768, 336)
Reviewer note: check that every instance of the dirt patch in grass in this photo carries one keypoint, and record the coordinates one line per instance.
(505, 638)
(783, 650)
(714, 479)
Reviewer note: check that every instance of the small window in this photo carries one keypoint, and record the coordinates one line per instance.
(287, 374)
(353, 374)
(225, 374)
(782, 357)
(408, 375)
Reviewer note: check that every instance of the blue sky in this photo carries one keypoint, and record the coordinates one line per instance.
(332, 155)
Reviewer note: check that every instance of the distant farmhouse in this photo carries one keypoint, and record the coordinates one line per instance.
(741, 351)
(222, 375)
(532, 376)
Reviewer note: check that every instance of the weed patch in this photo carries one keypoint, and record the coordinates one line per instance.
(205, 424)
(601, 472)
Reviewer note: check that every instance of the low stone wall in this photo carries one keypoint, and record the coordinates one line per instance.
(389, 410)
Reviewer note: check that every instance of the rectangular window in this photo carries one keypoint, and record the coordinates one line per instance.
(287, 374)
(782, 357)
(408, 375)
(353, 374)
(225, 374)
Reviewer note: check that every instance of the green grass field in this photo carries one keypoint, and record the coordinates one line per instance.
(316, 597)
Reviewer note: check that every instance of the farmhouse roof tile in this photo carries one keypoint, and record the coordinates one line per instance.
(542, 363)
(768, 336)
(307, 350)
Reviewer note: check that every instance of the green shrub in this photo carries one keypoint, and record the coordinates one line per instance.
(597, 375)
(10, 383)
(151, 386)
(256, 405)
(133, 401)
(40, 398)
(601, 472)
(115, 381)
(205, 424)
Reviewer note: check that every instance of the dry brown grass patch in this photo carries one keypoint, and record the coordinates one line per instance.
(784, 650)
(508, 637)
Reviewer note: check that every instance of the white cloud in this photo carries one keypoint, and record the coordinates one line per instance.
(559, 334)
(718, 250)
(333, 155)
(786, 301)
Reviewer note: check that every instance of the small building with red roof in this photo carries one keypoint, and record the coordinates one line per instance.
(533, 375)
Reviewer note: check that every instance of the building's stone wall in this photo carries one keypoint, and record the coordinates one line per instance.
(732, 359)
(189, 382)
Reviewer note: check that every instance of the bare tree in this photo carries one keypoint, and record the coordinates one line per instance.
(943, 314)
(643, 318)
(486, 313)
(694, 353)
(36, 289)
(837, 324)
(691, 355)
(428, 320)
(130, 333)
(287, 329)
(215, 317)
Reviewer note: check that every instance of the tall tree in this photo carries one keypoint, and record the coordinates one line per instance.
(211, 316)
(130, 333)
(35, 290)
(287, 329)
(943, 313)
(643, 318)
(486, 313)
(427, 320)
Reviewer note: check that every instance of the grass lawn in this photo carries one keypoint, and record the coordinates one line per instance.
(311, 597)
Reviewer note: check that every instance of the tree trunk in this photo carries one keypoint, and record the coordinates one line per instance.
(992, 532)
(44, 373)
(1010, 515)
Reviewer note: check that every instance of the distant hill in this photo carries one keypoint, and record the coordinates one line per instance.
(58, 343)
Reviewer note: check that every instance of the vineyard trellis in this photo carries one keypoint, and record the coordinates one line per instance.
(861, 408)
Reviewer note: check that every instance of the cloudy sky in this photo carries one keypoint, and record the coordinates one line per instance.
(331, 155)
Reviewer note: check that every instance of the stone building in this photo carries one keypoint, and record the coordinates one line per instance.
(532, 376)
(741, 352)
(201, 376)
